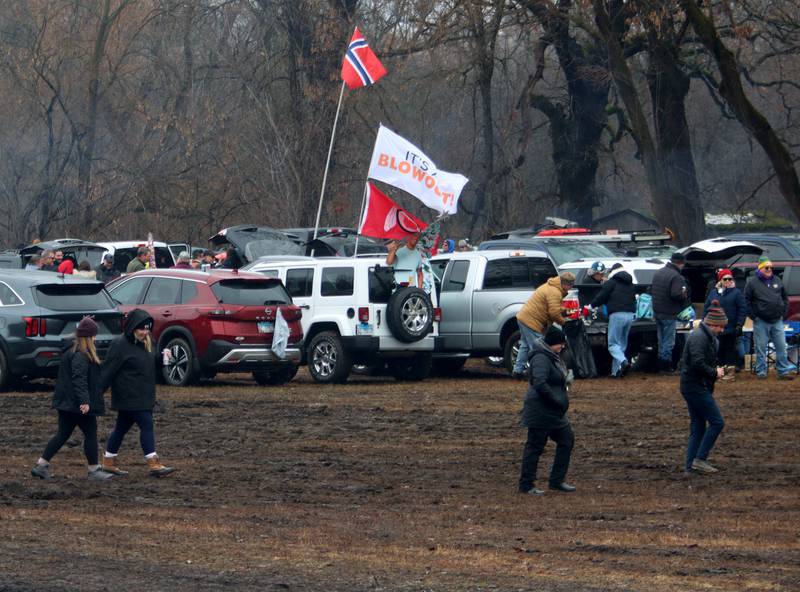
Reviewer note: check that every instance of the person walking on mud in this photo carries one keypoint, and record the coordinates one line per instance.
(699, 374)
(130, 370)
(79, 400)
(544, 413)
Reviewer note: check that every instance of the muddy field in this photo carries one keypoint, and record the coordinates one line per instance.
(378, 485)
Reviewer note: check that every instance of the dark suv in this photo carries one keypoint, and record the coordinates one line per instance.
(217, 321)
(38, 314)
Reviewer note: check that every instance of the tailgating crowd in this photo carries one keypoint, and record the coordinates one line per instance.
(713, 351)
(56, 261)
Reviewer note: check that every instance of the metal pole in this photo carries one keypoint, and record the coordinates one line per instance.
(360, 215)
(328, 162)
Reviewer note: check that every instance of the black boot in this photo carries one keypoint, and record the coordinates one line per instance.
(665, 367)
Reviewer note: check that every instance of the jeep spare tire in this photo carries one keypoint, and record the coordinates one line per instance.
(409, 314)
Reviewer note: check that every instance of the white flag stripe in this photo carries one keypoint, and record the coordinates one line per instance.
(399, 163)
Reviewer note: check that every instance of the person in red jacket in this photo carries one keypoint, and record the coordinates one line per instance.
(67, 265)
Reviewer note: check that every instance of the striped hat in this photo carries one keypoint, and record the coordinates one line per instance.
(763, 262)
(715, 315)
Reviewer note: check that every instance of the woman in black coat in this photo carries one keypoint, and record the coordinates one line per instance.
(79, 400)
(130, 370)
(545, 414)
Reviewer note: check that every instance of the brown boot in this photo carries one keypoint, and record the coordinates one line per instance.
(110, 466)
(157, 469)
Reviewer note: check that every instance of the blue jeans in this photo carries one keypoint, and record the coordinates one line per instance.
(125, 421)
(619, 325)
(526, 338)
(666, 338)
(702, 410)
(763, 333)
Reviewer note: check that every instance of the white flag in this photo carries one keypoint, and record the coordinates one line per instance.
(399, 163)
(280, 338)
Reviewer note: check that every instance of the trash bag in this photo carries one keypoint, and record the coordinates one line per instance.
(579, 357)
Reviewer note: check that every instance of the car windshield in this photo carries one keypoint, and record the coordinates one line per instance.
(795, 242)
(346, 245)
(73, 297)
(251, 292)
(572, 251)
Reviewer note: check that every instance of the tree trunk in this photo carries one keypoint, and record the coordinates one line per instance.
(753, 121)
(669, 87)
(665, 201)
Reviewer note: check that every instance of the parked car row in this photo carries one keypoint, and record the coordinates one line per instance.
(342, 311)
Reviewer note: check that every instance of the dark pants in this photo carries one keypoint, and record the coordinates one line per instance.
(537, 438)
(702, 410)
(728, 354)
(66, 425)
(125, 420)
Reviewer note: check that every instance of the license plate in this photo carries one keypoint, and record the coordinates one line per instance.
(266, 327)
(363, 329)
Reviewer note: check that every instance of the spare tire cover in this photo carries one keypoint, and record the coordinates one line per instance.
(409, 314)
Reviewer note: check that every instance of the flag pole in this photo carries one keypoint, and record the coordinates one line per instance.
(328, 162)
(360, 216)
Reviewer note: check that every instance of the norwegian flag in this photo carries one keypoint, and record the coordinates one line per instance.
(360, 67)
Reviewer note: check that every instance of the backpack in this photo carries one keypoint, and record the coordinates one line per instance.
(644, 306)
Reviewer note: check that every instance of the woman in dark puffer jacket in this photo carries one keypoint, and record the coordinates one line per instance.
(545, 413)
(79, 400)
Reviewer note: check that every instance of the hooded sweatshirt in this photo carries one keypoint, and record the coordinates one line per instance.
(618, 293)
(130, 369)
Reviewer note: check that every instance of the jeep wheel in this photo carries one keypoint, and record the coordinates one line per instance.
(328, 362)
(181, 370)
(277, 376)
(511, 349)
(411, 369)
(409, 314)
(448, 366)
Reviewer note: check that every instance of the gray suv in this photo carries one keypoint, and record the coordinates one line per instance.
(38, 314)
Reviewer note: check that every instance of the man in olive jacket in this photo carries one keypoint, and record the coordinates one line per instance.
(541, 310)
(544, 413)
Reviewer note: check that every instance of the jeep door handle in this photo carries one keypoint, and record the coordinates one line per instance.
(305, 306)
(166, 313)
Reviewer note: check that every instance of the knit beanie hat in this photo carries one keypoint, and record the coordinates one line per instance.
(715, 315)
(763, 261)
(723, 273)
(86, 328)
(554, 336)
(677, 257)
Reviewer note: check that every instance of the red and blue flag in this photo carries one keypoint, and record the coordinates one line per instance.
(361, 67)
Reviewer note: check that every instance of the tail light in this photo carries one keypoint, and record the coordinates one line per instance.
(291, 313)
(363, 314)
(219, 313)
(437, 314)
(35, 326)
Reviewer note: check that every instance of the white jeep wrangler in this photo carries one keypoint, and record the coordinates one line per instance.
(353, 313)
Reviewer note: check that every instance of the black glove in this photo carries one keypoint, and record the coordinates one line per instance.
(738, 330)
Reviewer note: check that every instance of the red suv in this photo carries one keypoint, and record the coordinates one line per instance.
(216, 321)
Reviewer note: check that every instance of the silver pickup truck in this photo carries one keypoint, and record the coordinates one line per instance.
(480, 293)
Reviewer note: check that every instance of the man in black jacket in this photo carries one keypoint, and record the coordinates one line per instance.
(545, 413)
(619, 295)
(699, 373)
(106, 270)
(768, 305)
(670, 296)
